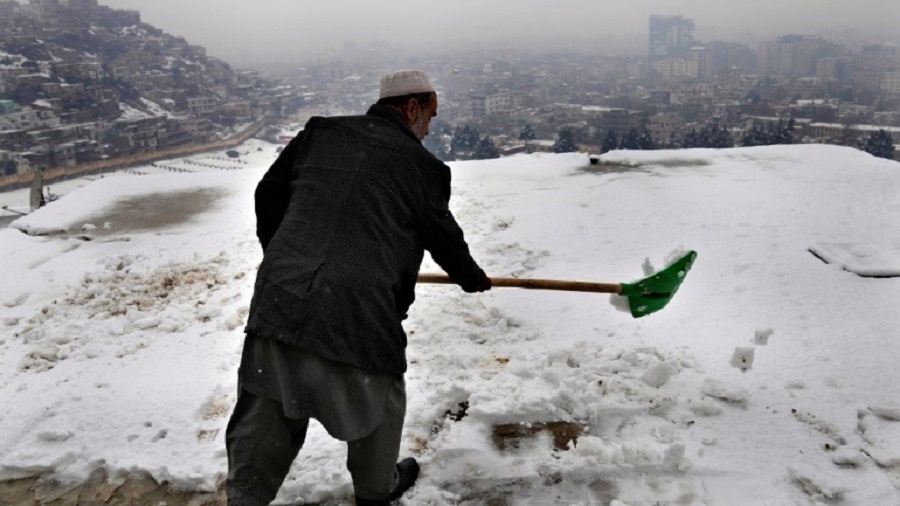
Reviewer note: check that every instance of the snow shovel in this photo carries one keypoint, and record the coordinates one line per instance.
(645, 296)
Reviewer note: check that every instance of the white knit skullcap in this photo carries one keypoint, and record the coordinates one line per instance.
(405, 82)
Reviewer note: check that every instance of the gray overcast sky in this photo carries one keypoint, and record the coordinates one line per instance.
(242, 28)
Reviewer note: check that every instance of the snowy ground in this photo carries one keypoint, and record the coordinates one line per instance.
(771, 378)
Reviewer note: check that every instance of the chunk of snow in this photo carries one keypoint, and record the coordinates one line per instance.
(620, 303)
(795, 385)
(657, 375)
(648, 268)
(761, 336)
(847, 456)
(704, 407)
(886, 412)
(819, 483)
(54, 436)
(147, 323)
(720, 390)
(673, 256)
(743, 358)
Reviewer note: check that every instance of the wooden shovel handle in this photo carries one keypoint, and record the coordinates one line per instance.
(534, 284)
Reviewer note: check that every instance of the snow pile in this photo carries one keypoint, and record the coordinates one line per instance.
(154, 108)
(869, 260)
(131, 113)
(120, 333)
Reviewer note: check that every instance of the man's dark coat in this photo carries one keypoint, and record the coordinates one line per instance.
(344, 216)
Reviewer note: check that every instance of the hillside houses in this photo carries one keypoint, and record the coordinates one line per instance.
(81, 81)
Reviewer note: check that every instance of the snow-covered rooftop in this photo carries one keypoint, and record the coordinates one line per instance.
(771, 378)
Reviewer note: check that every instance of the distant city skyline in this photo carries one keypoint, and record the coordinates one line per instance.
(269, 29)
(89, 88)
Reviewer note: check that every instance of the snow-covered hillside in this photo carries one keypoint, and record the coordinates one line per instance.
(771, 378)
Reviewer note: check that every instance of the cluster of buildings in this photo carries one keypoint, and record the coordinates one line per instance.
(835, 92)
(675, 55)
(81, 82)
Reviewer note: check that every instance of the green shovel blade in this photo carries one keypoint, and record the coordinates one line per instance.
(652, 293)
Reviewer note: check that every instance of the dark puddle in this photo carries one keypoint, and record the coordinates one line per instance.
(151, 212)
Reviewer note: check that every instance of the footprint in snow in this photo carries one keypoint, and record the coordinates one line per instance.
(879, 428)
(18, 301)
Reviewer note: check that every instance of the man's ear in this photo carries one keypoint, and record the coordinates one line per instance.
(411, 110)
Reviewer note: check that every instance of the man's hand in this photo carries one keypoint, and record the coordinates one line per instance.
(485, 284)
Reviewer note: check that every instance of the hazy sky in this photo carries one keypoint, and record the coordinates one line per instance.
(241, 28)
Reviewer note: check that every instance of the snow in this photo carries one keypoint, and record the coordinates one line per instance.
(861, 127)
(769, 379)
(16, 60)
(129, 112)
(864, 259)
(154, 108)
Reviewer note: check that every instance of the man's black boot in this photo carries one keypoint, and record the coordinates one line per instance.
(408, 471)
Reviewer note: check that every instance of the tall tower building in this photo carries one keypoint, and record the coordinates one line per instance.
(701, 57)
(670, 36)
(794, 55)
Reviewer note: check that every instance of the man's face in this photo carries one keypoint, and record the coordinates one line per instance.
(423, 118)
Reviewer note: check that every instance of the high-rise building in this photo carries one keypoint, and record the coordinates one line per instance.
(891, 82)
(670, 36)
(828, 69)
(794, 55)
(702, 58)
(729, 55)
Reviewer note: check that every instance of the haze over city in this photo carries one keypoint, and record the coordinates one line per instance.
(593, 141)
(242, 32)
